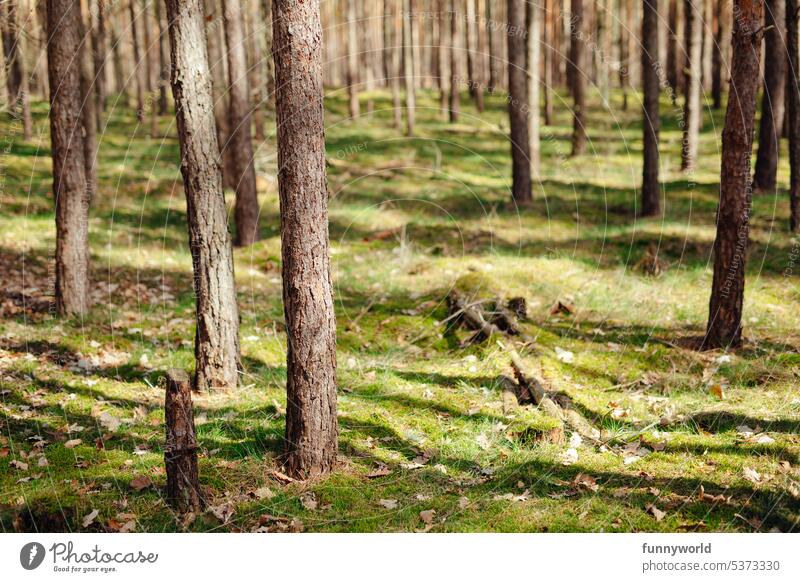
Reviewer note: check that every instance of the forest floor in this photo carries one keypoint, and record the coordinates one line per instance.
(689, 440)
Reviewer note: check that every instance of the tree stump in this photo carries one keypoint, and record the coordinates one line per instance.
(180, 452)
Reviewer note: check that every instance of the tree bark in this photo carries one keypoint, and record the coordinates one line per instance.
(473, 57)
(549, 56)
(692, 114)
(408, 67)
(69, 170)
(311, 424)
(246, 208)
(793, 113)
(494, 58)
(217, 331)
(455, 79)
(99, 51)
(16, 76)
(352, 58)
(137, 63)
(180, 449)
(534, 23)
(397, 59)
(148, 59)
(733, 217)
(769, 131)
(718, 62)
(675, 49)
(269, 71)
(441, 37)
(651, 121)
(518, 103)
(254, 69)
(577, 62)
(163, 62)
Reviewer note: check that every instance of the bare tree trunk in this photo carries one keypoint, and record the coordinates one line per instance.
(137, 63)
(692, 114)
(408, 67)
(793, 113)
(733, 217)
(455, 45)
(769, 131)
(718, 63)
(494, 58)
(88, 117)
(397, 57)
(16, 76)
(365, 53)
(246, 208)
(256, 58)
(651, 122)
(116, 58)
(675, 50)
(352, 58)
(533, 23)
(473, 57)
(148, 59)
(518, 103)
(311, 424)
(602, 13)
(180, 450)
(549, 54)
(706, 23)
(577, 60)
(625, 9)
(99, 50)
(269, 69)
(69, 171)
(217, 332)
(441, 37)
(163, 61)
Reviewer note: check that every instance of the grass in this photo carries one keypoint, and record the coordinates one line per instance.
(414, 406)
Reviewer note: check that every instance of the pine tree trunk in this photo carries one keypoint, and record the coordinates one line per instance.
(254, 62)
(473, 57)
(706, 23)
(120, 87)
(518, 103)
(577, 61)
(455, 47)
(793, 113)
(675, 49)
(137, 63)
(733, 217)
(718, 63)
(651, 122)
(441, 43)
(769, 131)
(625, 6)
(99, 50)
(88, 117)
(533, 42)
(549, 54)
(408, 67)
(269, 69)
(217, 332)
(13, 63)
(246, 207)
(311, 423)
(494, 58)
(692, 114)
(69, 170)
(148, 59)
(397, 59)
(352, 59)
(180, 447)
(163, 62)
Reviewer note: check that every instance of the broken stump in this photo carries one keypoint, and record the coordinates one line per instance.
(180, 452)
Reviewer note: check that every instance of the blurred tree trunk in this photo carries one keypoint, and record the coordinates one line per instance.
(137, 63)
(352, 58)
(706, 23)
(217, 61)
(73, 294)
(408, 66)
(675, 50)
(88, 117)
(549, 54)
(518, 103)
(718, 64)
(475, 70)
(733, 216)
(793, 113)
(397, 59)
(494, 58)
(533, 23)
(441, 42)
(601, 52)
(578, 65)
(269, 68)
(366, 53)
(149, 68)
(311, 424)
(99, 51)
(246, 207)
(651, 122)
(217, 333)
(253, 19)
(16, 75)
(692, 114)
(120, 87)
(769, 130)
(455, 46)
(625, 8)
(163, 62)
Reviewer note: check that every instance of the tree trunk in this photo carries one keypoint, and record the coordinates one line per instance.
(577, 61)
(651, 122)
(675, 49)
(69, 171)
(246, 208)
(706, 23)
(625, 8)
(352, 58)
(13, 62)
(793, 114)
(533, 23)
(99, 50)
(137, 63)
(602, 13)
(549, 54)
(474, 57)
(180, 448)
(494, 58)
(116, 57)
(408, 67)
(397, 59)
(148, 59)
(718, 63)
(217, 331)
(692, 114)
(163, 62)
(311, 424)
(518, 103)
(88, 117)
(266, 10)
(455, 46)
(256, 58)
(441, 37)
(733, 217)
(769, 130)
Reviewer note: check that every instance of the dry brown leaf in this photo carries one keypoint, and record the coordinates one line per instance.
(427, 516)
(141, 482)
(72, 443)
(655, 512)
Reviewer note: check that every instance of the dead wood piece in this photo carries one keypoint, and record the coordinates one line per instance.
(472, 316)
(518, 306)
(180, 451)
(528, 382)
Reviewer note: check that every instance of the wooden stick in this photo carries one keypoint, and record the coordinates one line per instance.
(180, 452)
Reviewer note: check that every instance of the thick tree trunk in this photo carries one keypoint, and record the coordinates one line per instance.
(793, 113)
(733, 217)
(769, 131)
(352, 58)
(577, 63)
(651, 122)
(180, 448)
(246, 208)
(163, 62)
(217, 332)
(311, 424)
(455, 47)
(518, 103)
(408, 67)
(692, 114)
(137, 63)
(533, 22)
(69, 171)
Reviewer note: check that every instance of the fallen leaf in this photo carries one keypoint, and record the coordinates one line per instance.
(582, 481)
(569, 457)
(463, 502)
(388, 503)
(141, 482)
(282, 477)
(564, 355)
(717, 390)
(655, 511)
(483, 441)
(223, 511)
(42, 462)
(380, 470)
(751, 475)
(427, 516)
(263, 493)
(309, 501)
(19, 465)
(89, 519)
(72, 443)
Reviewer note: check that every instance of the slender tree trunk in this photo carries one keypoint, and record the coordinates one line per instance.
(625, 9)
(651, 122)
(88, 117)
(602, 13)
(311, 424)
(408, 67)
(692, 114)
(706, 23)
(13, 62)
(533, 23)
(163, 61)
(769, 131)
(352, 58)
(675, 50)
(518, 103)
(148, 59)
(549, 54)
(397, 59)
(455, 45)
(578, 60)
(99, 51)
(365, 54)
(793, 113)
(217, 332)
(269, 69)
(473, 57)
(116, 57)
(246, 208)
(137, 63)
(718, 63)
(441, 37)
(494, 58)
(256, 58)
(69, 170)
(733, 217)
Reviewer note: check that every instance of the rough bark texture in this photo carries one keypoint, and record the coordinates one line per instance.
(241, 144)
(455, 79)
(217, 332)
(148, 68)
(69, 172)
(577, 56)
(352, 58)
(651, 122)
(534, 22)
(793, 113)
(408, 67)
(311, 424)
(733, 217)
(769, 131)
(693, 10)
(180, 449)
(518, 103)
